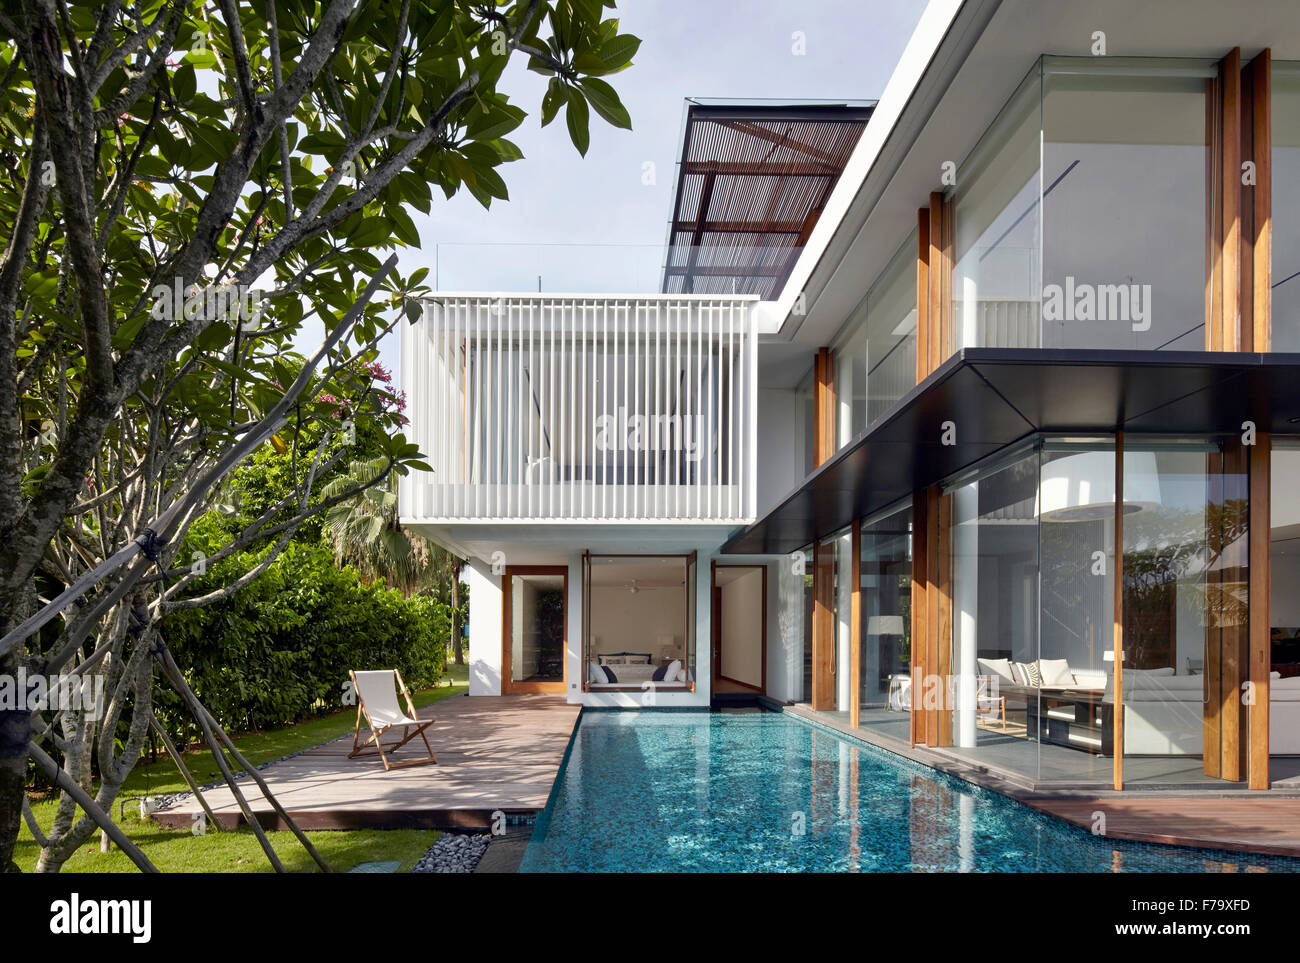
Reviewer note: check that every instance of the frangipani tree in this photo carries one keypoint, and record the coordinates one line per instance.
(185, 185)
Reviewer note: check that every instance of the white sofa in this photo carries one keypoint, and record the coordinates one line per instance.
(1164, 713)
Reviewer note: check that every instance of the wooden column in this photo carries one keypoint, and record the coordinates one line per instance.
(922, 294)
(1230, 274)
(1260, 598)
(1257, 206)
(823, 658)
(943, 626)
(920, 608)
(1226, 651)
(855, 624)
(1118, 618)
(824, 412)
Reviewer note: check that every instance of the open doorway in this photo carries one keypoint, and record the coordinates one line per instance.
(739, 655)
(638, 622)
(534, 637)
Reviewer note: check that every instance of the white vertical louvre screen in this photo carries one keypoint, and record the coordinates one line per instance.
(582, 408)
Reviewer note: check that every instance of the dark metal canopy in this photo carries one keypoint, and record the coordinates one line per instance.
(751, 183)
(997, 396)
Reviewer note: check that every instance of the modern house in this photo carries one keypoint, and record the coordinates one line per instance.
(966, 419)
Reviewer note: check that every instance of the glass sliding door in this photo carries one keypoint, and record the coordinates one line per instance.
(1185, 613)
(1284, 611)
(1075, 717)
(885, 662)
(535, 631)
(992, 693)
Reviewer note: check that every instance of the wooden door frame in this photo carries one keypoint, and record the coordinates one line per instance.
(508, 685)
(716, 629)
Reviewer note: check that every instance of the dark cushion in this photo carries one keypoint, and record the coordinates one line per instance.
(609, 674)
(659, 673)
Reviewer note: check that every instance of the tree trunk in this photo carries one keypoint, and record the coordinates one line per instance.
(15, 730)
(458, 647)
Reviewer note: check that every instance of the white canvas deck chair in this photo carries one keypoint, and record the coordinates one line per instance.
(377, 701)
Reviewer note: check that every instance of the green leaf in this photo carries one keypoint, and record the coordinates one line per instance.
(499, 120)
(604, 100)
(618, 52)
(577, 118)
(185, 83)
(556, 94)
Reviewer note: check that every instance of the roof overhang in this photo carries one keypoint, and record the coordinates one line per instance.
(752, 181)
(995, 397)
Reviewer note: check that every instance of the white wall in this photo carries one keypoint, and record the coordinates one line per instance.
(780, 445)
(623, 622)
(742, 628)
(785, 635)
(484, 628)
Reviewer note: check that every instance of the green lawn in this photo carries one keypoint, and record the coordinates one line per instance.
(178, 851)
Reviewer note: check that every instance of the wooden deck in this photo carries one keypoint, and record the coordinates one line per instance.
(494, 753)
(1255, 823)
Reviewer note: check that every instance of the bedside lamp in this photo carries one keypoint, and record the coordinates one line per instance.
(667, 648)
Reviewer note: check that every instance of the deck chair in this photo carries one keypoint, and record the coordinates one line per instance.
(377, 702)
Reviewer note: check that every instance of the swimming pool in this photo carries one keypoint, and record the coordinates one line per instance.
(698, 791)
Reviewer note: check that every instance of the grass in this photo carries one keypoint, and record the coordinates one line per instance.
(178, 851)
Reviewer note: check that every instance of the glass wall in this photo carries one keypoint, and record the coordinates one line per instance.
(1284, 610)
(1185, 622)
(884, 666)
(996, 276)
(875, 358)
(1124, 174)
(994, 592)
(1091, 166)
(1033, 554)
(1286, 207)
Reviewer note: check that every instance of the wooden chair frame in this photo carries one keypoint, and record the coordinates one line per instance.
(377, 732)
(986, 704)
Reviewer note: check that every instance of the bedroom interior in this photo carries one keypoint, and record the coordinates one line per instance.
(637, 622)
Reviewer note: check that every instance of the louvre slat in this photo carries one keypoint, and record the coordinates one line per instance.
(583, 409)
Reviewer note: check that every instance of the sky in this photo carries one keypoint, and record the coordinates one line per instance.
(598, 213)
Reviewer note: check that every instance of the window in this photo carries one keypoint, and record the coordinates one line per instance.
(639, 622)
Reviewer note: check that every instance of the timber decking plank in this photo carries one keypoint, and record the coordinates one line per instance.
(1257, 825)
(494, 752)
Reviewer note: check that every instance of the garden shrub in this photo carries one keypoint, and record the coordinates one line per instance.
(279, 650)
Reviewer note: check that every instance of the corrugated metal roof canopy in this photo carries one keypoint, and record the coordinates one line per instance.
(751, 183)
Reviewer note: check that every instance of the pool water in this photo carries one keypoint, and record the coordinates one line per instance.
(698, 791)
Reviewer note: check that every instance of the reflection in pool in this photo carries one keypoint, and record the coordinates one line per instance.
(695, 791)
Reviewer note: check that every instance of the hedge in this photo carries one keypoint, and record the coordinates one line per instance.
(279, 650)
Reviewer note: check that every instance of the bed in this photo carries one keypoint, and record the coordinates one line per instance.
(609, 670)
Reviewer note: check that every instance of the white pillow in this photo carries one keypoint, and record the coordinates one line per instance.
(613, 659)
(998, 667)
(1056, 673)
(681, 675)
(595, 673)
(674, 668)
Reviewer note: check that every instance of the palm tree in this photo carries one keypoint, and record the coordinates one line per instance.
(365, 532)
